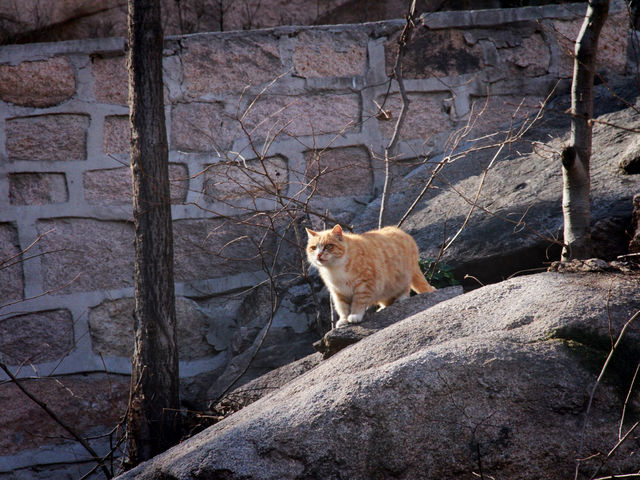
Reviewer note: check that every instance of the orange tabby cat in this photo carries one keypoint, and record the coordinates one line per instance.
(377, 267)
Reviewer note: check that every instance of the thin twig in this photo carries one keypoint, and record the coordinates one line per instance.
(626, 400)
(57, 419)
(628, 476)
(3, 262)
(274, 307)
(43, 293)
(615, 447)
(475, 200)
(595, 386)
(403, 45)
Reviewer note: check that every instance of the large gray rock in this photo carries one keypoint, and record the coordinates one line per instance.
(492, 383)
(517, 221)
(257, 345)
(263, 385)
(634, 243)
(338, 338)
(331, 343)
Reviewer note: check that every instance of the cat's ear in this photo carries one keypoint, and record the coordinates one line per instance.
(337, 231)
(311, 233)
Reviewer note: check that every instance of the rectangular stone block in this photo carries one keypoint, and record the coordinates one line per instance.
(517, 49)
(305, 115)
(11, 278)
(321, 53)
(36, 337)
(92, 404)
(111, 329)
(429, 114)
(530, 57)
(215, 248)
(612, 44)
(202, 127)
(117, 134)
(114, 186)
(110, 80)
(231, 182)
(100, 253)
(435, 53)
(215, 65)
(37, 188)
(41, 83)
(339, 172)
(54, 137)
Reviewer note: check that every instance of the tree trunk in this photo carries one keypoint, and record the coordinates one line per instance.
(152, 421)
(576, 202)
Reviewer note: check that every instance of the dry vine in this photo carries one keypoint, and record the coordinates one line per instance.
(389, 151)
(622, 437)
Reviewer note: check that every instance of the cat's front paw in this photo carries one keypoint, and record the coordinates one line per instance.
(342, 323)
(355, 318)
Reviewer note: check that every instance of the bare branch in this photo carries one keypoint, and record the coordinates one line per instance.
(595, 386)
(403, 44)
(57, 419)
(48, 292)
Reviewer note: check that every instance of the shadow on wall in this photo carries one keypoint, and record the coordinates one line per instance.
(31, 21)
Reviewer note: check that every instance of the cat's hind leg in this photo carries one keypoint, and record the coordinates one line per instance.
(391, 300)
(404, 296)
(419, 284)
(385, 303)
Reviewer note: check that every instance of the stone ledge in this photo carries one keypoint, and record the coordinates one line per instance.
(435, 20)
(339, 338)
(15, 54)
(486, 18)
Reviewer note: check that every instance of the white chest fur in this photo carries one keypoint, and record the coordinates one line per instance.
(336, 279)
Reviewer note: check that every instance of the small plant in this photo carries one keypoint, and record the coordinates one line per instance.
(437, 274)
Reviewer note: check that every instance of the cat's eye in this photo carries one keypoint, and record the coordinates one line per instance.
(312, 247)
(328, 248)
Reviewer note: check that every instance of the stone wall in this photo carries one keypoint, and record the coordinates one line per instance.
(28, 21)
(256, 121)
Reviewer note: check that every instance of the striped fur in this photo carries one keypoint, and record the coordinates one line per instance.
(373, 268)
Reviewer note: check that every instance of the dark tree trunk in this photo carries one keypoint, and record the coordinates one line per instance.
(152, 422)
(576, 201)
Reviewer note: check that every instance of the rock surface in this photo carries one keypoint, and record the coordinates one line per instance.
(634, 243)
(37, 84)
(517, 221)
(339, 338)
(492, 383)
(263, 385)
(332, 342)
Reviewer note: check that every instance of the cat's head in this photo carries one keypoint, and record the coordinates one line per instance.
(326, 248)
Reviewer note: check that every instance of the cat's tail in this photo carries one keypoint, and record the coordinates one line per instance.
(419, 284)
